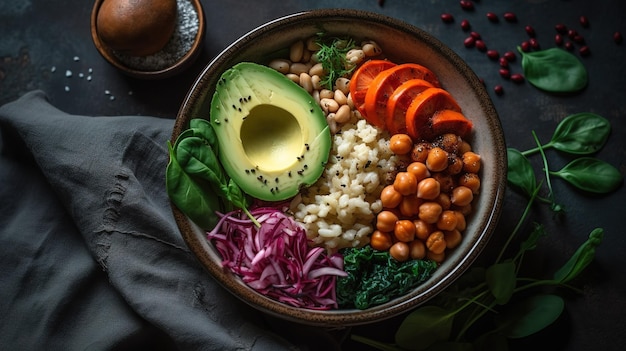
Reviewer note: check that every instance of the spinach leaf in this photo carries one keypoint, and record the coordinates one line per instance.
(581, 258)
(202, 128)
(554, 70)
(591, 174)
(198, 202)
(423, 327)
(501, 279)
(197, 159)
(530, 316)
(520, 172)
(581, 133)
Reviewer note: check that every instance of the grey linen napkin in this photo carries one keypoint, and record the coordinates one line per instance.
(90, 255)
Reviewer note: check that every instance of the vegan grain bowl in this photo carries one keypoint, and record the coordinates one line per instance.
(336, 167)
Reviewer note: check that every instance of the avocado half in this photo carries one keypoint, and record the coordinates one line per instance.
(273, 137)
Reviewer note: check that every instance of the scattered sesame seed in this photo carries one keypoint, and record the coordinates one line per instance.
(80, 75)
(89, 78)
(67, 88)
(53, 69)
(107, 92)
(111, 97)
(76, 58)
(68, 73)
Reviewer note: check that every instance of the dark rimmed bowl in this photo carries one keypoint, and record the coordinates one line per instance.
(179, 66)
(400, 42)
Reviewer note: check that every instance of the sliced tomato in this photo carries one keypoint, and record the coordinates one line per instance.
(361, 79)
(449, 121)
(422, 109)
(399, 102)
(384, 85)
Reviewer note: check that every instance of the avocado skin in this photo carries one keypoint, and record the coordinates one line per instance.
(273, 137)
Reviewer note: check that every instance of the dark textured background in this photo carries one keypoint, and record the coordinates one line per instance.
(37, 35)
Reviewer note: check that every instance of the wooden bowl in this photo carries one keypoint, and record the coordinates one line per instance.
(184, 62)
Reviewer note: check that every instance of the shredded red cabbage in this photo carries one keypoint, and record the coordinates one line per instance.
(275, 258)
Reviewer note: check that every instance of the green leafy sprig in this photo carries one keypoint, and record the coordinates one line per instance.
(490, 291)
(332, 55)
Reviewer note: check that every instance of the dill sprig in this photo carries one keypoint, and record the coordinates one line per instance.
(332, 55)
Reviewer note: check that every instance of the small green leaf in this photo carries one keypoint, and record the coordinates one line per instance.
(501, 279)
(554, 70)
(197, 159)
(590, 174)
(520, 172)
(581, 133)
(530, 315)
(581, 258)
(423, 327)
(202, 128)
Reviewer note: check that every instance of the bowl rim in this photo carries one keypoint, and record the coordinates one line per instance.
(347, 317)
(183, 63)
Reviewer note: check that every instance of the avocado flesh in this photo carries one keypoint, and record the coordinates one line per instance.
(273, 137)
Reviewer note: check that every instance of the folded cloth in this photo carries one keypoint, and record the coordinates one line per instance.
(91, 255)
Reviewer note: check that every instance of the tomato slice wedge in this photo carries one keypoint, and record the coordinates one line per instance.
(449, 121)
(422, 109)
(361, 79)
(384, 85)
(399, 102)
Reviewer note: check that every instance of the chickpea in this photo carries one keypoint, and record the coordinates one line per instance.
(447, 220)
(405, 183)
(437, 159)
(419, 170)
(409, 207)
(446, 182)
(422, 229)
(436, 257)
(390, 197)
(444, 200)
(436, 242)
(420, 152)
(471, 162)
(399, 251)
(400, 144)
(461, 224)
(428, 189)
(453, 238)
(386, 221)
(417, 249)
(429, 212)
(461, 196)
(450, 142)
(455, 164)
(464, 210)
(464, 147)
(380, 240)
(470, 180)
(404, 230)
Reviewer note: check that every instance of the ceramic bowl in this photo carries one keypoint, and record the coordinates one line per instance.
(400, 42)
(129, 69)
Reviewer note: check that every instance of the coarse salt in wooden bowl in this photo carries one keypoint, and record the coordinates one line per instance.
(178, 54)
(400, 42)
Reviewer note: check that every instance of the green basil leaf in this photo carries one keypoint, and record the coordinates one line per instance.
(554, 70)
(501, 279)
(581, 258)
(590, 174)
(581, 133)
(197, 202)
(520, 171)
(423, 327)
(530, 315)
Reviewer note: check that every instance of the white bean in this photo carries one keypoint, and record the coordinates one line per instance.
(317, 83)
(280, 65)
(296, 50)
(311, 44)
(294, 77)
(317, 69)
(340, 97)
(355, 56)
(316, 95)
(371, 48)
(305, 82)
(297, 68)
(327, 94)
(343, 84)
(329, 105)
(343, 114)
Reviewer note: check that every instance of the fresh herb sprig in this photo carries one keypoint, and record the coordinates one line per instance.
(332, 54)
(490, 291)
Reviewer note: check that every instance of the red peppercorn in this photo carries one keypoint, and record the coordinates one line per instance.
(510, 56)
(579, 39)
(561, 28)
(475, 35)
(498, 89)
(572, 33)
(469, 42)
(584, 51)
(492, 17)
(465, 25)
(503, 62)
(517, 78)
(504, 73)
(534, 43)
(584, 21)
(617, 37)
(569, 46)
(493, 54)
(530, 31)
(447, 18)
(510, 17)
(558, 39)
(467, 5)
(525, 45)
(481, 46)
